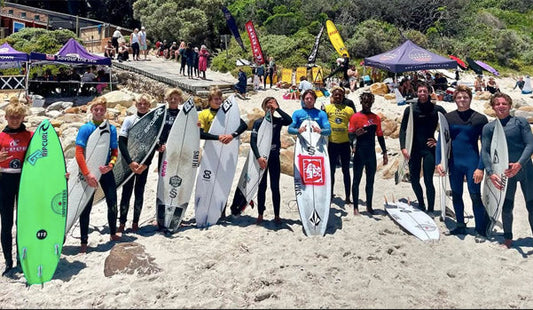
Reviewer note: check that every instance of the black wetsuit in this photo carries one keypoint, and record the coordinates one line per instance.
(422, 156)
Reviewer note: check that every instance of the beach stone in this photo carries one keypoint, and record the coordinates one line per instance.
(37, 111)
(484, 95)
(119, 97)
(489, 112)
(245, 136)
(73, 118)
(254, 115)
(390, 169)
(286, 158)
(54, 113)
(56, 123)
(243, 151)
(379, 89)
(528, 115)
(287, 140)
(129, 258)
(56, 106)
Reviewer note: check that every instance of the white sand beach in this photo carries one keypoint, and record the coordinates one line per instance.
(364, 261)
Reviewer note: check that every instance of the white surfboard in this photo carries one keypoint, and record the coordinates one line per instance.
(178, 168)
(403, 166)
(492, 197)
(251, 172)
(413, 220)
(312, 179)
(79, 192)
(445, 150)
(217, 166)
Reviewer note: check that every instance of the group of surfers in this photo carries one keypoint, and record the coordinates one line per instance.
(350, 133)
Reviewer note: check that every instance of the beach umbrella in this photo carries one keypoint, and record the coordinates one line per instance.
(474, 66)
(461, 63)
(487, 67)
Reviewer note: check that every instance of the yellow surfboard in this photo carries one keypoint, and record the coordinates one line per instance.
(335, 38)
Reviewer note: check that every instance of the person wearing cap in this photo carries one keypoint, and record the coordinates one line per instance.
(142, 42)
(203, 57)
(339, 115)
(116, 36)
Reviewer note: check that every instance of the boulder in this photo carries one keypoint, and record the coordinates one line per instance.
(119, 97)
(484, 95)
(38, 111)
(254, 115)
(53, 114)
(129, 258)
(390, 169)
(286, 157)
(287, 140)
(379, 89)
(528, 115)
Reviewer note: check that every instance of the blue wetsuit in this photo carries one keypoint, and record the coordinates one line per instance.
(314, 114)
(422, 156)
(465, 132)
(520, 147)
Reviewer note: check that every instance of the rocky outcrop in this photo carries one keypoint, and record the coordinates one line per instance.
(129, 258)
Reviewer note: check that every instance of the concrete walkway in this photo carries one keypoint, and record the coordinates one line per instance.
(167, 71)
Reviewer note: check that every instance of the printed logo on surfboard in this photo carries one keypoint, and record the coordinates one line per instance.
(188, 106)
(312, 170)
(315, 218)
(59, 203)
(226, 105)
(427, 227)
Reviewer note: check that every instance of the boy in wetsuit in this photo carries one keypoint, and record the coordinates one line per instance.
(364, 126)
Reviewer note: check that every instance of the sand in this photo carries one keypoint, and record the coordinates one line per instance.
(362, 261)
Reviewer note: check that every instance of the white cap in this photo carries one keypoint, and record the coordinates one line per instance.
(143, 28)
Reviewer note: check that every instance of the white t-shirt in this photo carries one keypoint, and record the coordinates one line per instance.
(305, 85)
(127, 124)
(117, 34)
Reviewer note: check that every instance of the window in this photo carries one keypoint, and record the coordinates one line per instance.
(37, 17)
(23, 14)
(10, 12)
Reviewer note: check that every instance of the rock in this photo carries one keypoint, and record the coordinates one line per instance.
(286, 158)
(287, 140)
(129, 258)
(74, 118)
(53, 114)
(245, 136)
(390, 96)
(38, 111)
(73, 110)
(254, 115)
(484, 95)
(243, 151)
(56, 106)
(379, 89)
(56, 123)
(390, 169)
(528, 115)
(119, 97)
(489, 112)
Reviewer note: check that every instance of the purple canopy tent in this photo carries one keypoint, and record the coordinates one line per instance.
(9, 55)
(72, 53)
(409, 57)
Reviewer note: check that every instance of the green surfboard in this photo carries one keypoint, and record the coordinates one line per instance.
(42, 206)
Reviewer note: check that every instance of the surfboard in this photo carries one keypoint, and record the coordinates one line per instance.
(445, 142)
(42, 206)
(312, 179)
(79, 192)
(178, 168)
(403, 165)
(492, 197)
(217, 166)
(252, 174)
(414, 220)
(142, 138)
(335, 38)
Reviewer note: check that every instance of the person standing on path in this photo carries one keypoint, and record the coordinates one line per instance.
(203, 60)
(143, 43)
(134, 42)
(271, 70)
(117, 35)
(422, 157)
